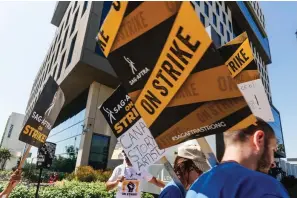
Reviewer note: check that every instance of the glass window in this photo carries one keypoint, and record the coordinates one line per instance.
(57, 52)
(276, 125)
(67, 19)
(224, 18)
(218, 9)
(74, 21)
(54, 74)
(85, 7)
(75, 4)
(10, 131)
(217, 39)
(226, 8)
(61, 66)
(198, 2)
(202, 19)
(99, 151)
(206, 9)
(214, 19)
(71, 50)
(65, 38)
(67, 137)
(210, 2)
(230, 26)
(222, 29)
(228, 36)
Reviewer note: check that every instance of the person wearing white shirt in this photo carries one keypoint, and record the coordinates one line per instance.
(128, 181)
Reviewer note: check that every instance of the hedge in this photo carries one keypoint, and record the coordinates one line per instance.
(66, 189)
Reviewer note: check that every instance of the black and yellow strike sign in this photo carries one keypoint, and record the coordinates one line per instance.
(239, 58)
(174, 74)
(119, 111)
(43, 115)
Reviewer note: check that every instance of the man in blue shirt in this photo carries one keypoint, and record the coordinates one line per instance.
(248, 152)
(189, 164)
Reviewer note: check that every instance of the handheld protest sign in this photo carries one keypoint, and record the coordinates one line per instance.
(174, 74)
(242, 65)
(206, 149)
(130, 130)
(46, 154)
(43, 115)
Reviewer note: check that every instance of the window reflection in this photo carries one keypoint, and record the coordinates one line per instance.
(277, 127)
(67, 136)
(99, 151)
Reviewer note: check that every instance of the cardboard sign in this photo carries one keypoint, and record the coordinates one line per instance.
(43, 115)
(239, 59)
(131, 130)
(174, 74)
(45, 155)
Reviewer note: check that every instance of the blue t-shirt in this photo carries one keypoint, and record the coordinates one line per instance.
(230, 179)
(173, 190)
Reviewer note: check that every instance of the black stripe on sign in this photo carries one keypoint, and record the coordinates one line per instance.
(230, 121)
(210, 59)
(227, 51)
(143, 51)
(132, 5)
(170, 116)
(251, 66)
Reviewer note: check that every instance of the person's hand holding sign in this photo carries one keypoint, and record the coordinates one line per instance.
(120, 179)
(13, 181)
(15, 178)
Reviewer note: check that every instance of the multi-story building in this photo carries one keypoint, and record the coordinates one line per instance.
(10, 138)
(74, 59)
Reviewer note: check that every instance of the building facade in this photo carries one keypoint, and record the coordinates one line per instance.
(75, 61)
(10, 138)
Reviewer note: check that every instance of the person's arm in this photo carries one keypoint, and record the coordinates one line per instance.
(14, 180)
(157, 182)
(114, 179)
(112, 184)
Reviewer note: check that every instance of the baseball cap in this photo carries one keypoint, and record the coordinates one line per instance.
(194, 153)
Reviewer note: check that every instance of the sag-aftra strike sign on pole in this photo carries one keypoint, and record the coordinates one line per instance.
(241, 63)
(130, 130)
(172, 71)
(43, 115)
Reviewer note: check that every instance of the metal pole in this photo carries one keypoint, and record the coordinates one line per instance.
(38, 184)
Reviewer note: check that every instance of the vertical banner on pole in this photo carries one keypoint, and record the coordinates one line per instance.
(43, 115)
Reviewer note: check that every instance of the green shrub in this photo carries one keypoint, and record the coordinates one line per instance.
(5, 175)
(66, 189)
(103, 176)
(70, 176)
(85, 174)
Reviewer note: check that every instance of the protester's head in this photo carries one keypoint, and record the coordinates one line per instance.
(126, 159)
(254, 146)
(189, 164)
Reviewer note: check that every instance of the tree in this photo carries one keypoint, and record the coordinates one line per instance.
(5, 155)
(66, 164)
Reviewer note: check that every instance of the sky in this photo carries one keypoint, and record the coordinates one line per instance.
(26, 34)
(281, 25)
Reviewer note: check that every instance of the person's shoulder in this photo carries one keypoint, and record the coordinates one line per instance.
(264, 184)
(118, 168)
(171, 190)
(256, 176)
